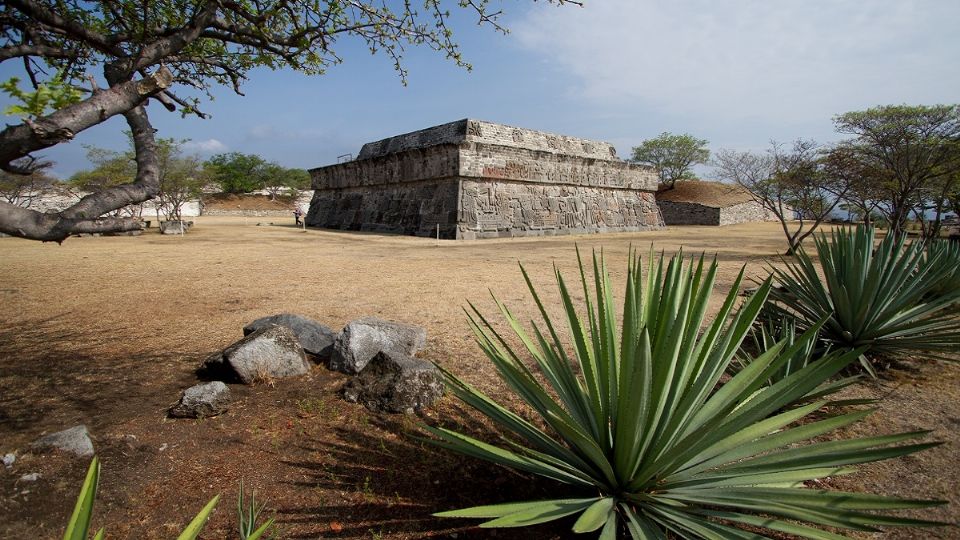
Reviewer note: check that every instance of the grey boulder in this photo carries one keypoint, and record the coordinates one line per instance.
(315, 338)
(175, 227)
(362, 339)
(272, 352)
(202, 400)
(75, 440)
(395, 383)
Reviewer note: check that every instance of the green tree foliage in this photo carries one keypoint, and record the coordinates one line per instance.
(110, 168)
(182, 180)
(673, 156)
(239, 173)
(632, 417)
(915, 147)
(865, 180)
(283, 181)
(51, 95)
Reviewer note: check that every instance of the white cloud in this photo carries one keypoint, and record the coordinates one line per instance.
(209, 146)
(751, 60)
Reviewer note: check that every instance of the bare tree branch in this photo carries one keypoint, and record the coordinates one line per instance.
(75, 30)
(15, 51)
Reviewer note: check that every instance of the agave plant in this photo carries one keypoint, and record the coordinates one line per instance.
(768, 332)
(636, 423)
(946, 254)
(78, 528)
(248, 515)
(875, 298)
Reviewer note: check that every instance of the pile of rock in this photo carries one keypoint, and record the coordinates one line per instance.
(387, 376)
(378, 353)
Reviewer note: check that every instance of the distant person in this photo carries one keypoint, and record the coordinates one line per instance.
(297, 214)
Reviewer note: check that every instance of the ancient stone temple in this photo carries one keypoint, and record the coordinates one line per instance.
(474, 179)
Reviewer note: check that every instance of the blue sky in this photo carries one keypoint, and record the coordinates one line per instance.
(738, 73)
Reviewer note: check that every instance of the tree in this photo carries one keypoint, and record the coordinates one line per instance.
(915, 146)
(144, 50)
(20, 190)
(281, 180)
(672, 156)
(935, 201)
(180, 177)
(111, 168)
(237, 172)
(182, 182)
(242, 173)
(794, 184)
(866, 181)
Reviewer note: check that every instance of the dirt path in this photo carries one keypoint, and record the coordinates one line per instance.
(107, 331)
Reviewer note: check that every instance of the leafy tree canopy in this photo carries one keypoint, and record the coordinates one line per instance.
(237, 172)
(672, 155)
(911, 148)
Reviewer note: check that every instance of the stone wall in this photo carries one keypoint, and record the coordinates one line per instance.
(505, 209)
(747, 212)
(413, 208)
(56, 200)
(525, 165)
(687, 213)
(416, 165)
(684, 213)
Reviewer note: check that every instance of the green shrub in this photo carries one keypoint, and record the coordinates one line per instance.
(878, 298)
(648, 441)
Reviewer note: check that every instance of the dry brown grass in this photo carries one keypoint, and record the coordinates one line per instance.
(107, 331)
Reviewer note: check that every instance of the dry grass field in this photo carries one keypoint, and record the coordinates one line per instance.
(106, 331)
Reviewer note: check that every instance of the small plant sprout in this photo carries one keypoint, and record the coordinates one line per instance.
(248, 514)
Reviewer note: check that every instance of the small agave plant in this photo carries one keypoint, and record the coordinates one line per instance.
(769, 332)
(646, 438)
